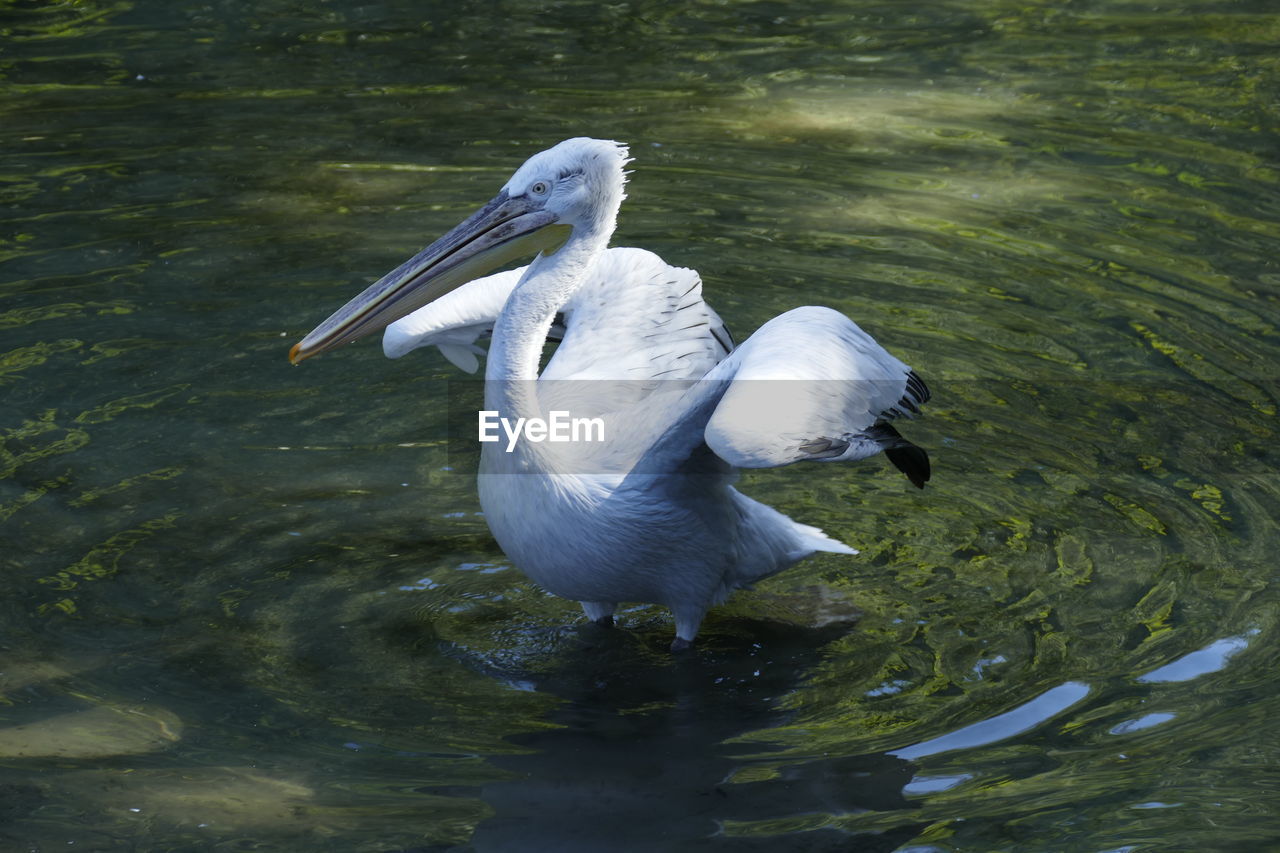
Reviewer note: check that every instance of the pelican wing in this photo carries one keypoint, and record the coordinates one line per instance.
(455, 321)
(811, 385)
(638, 318)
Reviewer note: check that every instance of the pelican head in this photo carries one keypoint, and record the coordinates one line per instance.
(570, 191)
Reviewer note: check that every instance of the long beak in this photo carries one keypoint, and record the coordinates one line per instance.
(503, 230)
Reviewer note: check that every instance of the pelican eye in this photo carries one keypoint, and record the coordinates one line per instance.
(540, 188)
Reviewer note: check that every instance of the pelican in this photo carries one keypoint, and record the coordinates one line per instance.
(647, 511)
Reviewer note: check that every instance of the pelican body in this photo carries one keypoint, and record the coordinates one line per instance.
(649, 512)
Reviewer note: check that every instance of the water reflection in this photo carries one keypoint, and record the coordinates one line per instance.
(1006, 725)
(1146, 721)
(921, 785)
(636, 758)
(1211, 658)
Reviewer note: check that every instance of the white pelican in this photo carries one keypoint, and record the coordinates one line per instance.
(650, 514)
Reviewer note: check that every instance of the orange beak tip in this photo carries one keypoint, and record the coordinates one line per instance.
(293, 353)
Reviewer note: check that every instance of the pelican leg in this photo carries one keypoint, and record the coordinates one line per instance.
(687, 621)
(600, 612)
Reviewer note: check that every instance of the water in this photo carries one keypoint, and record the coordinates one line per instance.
(251, 607)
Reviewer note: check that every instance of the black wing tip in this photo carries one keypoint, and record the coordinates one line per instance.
(912, 461)
(908, 458)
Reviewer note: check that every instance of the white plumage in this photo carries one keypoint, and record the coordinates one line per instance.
(650, 513)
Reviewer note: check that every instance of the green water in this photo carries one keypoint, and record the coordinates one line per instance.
(248, 606)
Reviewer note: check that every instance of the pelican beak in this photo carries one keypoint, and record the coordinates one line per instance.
(503, 230)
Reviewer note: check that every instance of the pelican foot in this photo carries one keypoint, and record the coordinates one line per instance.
(605, 621)
(680, 644)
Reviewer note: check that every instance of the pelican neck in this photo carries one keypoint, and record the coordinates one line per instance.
(525, 320)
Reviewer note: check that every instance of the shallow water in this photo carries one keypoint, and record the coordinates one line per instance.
(251, 607)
